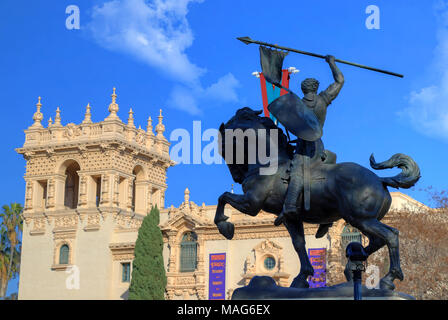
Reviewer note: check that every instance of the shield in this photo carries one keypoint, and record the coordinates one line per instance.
(296, 116)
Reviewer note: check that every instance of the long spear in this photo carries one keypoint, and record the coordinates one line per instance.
(248, 40)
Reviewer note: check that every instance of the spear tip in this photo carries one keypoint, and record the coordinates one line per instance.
(246, 40)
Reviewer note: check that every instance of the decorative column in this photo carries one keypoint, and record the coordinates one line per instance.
(162, 198)
(116, 190)
(140, 197)
(105, 190)
(130, 187)
(51, 193)
(28, 196)
(172, 267)
(59, 185)
(149, 200)
(82, 198)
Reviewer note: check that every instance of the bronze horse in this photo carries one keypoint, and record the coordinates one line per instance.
(338, 191)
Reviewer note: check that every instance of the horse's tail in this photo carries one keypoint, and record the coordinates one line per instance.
(407, 178)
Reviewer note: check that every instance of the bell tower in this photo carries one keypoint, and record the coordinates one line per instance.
(108, 164)
(88, 188)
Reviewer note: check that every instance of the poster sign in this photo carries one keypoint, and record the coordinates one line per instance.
(217, 277)
(318, 261)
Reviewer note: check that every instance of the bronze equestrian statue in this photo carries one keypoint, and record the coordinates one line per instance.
(338, 191)
(308, 185)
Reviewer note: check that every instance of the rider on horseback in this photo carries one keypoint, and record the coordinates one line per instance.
(305, 118)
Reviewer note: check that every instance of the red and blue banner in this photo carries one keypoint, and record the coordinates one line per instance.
(269, 92)
(217, 277)
(318, 261)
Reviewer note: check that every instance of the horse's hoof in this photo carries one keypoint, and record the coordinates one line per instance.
(399, 275)
(387, 284)
(227, 229)
(279, 220)
(300, 283)
(323, 229)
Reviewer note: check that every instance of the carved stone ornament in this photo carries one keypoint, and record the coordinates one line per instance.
(72, 131)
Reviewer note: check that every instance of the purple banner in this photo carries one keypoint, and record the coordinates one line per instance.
(317, 259)
(217, 277)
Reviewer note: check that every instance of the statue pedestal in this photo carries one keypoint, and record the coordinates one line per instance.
(265, 288)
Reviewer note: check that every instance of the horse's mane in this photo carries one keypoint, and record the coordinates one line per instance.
(248, 116)
(265, 121)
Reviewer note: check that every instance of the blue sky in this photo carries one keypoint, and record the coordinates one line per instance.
(182, 56)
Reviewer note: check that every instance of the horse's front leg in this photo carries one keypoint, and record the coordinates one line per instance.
(247, 203)
(295, 229)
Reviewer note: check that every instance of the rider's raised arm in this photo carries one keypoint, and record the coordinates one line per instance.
(333, 90)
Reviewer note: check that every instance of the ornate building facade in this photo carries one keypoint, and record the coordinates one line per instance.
(88, 188)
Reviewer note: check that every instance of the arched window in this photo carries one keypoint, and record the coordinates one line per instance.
(350, 234)
(71, 186)
(64, 252)
(188, 252)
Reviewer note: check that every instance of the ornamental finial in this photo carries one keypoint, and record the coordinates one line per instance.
(57, 118)
(149, 126)
(187, 196)
(114, 95)
(113, 107)
(38, 116)
(160, 128)
(131, 118)
(88, 115)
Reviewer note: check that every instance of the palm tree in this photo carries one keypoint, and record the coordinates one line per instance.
(12, 226)
(4, 260)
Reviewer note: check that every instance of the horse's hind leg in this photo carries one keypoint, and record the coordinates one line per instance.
(295, 229)
(389, 236)
(247, 203)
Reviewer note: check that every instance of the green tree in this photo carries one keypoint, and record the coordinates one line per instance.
(11, 227)
(148, 274)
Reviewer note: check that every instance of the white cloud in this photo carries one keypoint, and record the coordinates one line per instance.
(428, 107)
(157, 32)
(189, 99)
(183, 99)
(224, 89)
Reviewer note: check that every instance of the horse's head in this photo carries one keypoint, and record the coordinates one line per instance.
(246, 119)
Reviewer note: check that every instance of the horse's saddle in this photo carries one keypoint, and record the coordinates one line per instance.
(328, 157)
(311, 172)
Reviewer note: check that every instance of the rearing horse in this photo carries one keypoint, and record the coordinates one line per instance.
(338, 191)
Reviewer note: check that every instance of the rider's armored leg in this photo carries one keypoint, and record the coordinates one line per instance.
(295, 187)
